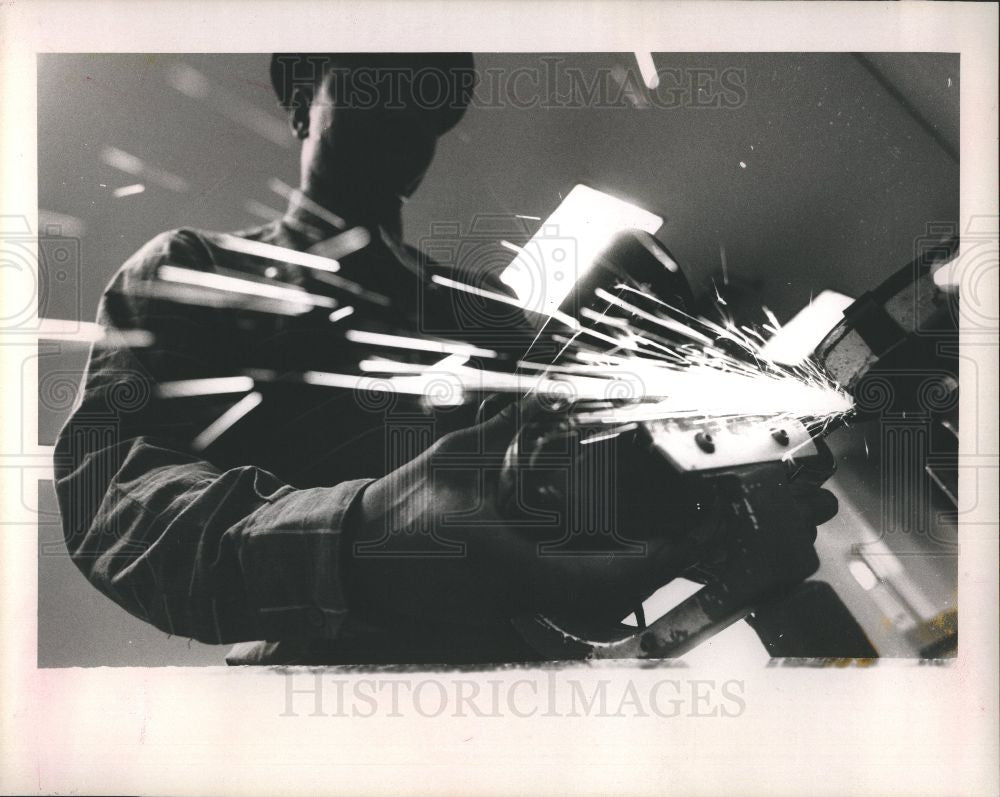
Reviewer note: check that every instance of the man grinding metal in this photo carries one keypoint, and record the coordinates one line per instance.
(275, 513)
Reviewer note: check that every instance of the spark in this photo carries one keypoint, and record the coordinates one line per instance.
(598, 437)
(87, 333)
(725, 267)
(449, 364)
(214, 386)
(263, 211)
(445, 282)
(647, 68)
(772, 318)
(346, 243)
(226, 421)
(698, 383)
(221, 281)
(645, 362)
(282, 254)
(194, 84)
(379, 365)
(353, 288)
(680, 373)
(718, 296)
(297, 198)
(198, 296)
(630, 357)
(666, 323)
(341, 314)
(135, 166)
(419, 344)
(601, 318)
(625, 80)
(609, 435)
(556, 315)
(128, 190)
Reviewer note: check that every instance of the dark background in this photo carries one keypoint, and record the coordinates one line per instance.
(847, 160)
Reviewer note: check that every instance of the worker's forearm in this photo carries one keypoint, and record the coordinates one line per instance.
(218, 556)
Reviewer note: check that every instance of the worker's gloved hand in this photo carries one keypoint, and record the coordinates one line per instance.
(788, 514)
(433, 539)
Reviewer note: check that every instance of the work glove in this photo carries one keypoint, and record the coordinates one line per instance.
(787, 514)
(437, 539)
(440, 538)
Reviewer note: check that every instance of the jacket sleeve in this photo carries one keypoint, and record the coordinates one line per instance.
(218, 555)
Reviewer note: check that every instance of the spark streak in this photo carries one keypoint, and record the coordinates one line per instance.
(341, 314)
(296, 197)
(128, 190)
(281, 254)
(197, 296)
(353, 288)
(226, 421)
(648, 70)
(420, 344)
(86, 333)
(260, 209)
(614, 370)
(213, 386)
(130, 164)
(344, 244)
(251, 288)
(683, 373)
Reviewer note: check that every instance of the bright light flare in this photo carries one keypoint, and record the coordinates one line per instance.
(795, 341)
(567, 244)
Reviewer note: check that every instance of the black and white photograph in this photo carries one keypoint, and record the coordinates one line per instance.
(454, 383)
(665, 318)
